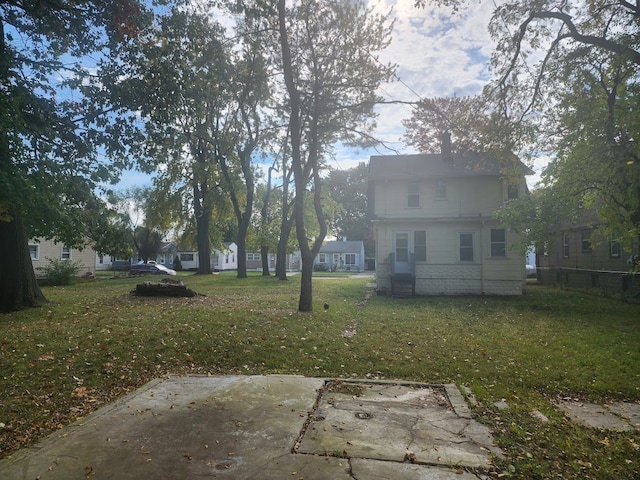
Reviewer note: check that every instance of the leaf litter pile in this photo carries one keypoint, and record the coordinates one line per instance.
(94, 342)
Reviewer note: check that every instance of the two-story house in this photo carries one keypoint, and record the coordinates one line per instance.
(434, 224)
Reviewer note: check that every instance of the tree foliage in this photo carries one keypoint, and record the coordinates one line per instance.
(178, 77)
(331, 75)
(348, 189)
(566, 83)
(49, 164)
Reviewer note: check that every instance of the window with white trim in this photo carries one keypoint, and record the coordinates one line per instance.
(614, 248)
(254, 257)
(33, 251)
(466, 247)
(498, 242)
(413, 194)
(565, 245)
(65, 253)
(349, 258)
(420, 245)
(186, 257)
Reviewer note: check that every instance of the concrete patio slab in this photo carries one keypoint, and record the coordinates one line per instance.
(619, 417)
(263, 427)
(420, 420)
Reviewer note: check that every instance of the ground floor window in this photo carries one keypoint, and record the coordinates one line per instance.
(186, 257)
(350, 258)
(498, 242)
(254, 257)
(420, 245)
(614, 248)
(66, 253)
(585, 237)
(33, 251)
(466, 247)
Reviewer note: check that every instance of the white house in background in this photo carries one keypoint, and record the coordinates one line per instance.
(221, 259)
(434, 224)
(42, 251)
(341, 256)
(225, 259)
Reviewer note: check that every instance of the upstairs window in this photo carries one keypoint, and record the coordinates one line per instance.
(512, 191)
(498, 242)
(33, 252)
(413, 195)
(66, 253)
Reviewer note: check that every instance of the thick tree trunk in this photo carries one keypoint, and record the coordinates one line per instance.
(242, 250)
(18, 285)
(204, 244)
(281, 254)
(264, 256)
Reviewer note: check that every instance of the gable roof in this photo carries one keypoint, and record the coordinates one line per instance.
(437, 165)
(339, 246)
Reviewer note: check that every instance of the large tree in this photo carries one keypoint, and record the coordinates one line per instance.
(331, 74)
(198, 94)
(348, 189)
(566, 76)
(48, 163)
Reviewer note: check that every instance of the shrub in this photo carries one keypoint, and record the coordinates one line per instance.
(177, 264)
(60, 272)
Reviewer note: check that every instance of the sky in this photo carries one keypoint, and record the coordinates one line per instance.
(438, 54)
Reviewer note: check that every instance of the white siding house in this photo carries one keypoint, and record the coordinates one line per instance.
(341, 256)
(221, 259)
(42, 251)
(434, 224)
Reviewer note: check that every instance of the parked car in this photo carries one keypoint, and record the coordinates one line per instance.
(150, 268)
(531, 271)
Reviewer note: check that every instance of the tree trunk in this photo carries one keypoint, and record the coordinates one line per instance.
(202, 211)
(305, 303)
(264, 256)
(283, 242)
(204, 244)
(18, 285)
(242, 251)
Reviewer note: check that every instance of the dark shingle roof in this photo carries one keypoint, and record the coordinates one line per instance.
(339, 246)
(435, 165)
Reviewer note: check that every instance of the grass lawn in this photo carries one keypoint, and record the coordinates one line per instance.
(94, 342)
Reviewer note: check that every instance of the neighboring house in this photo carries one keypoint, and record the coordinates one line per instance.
(584, 246)
(225, 259)
(254, 261)
(293, 261)
(341, 256)
(434, 224)
(42, 251)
